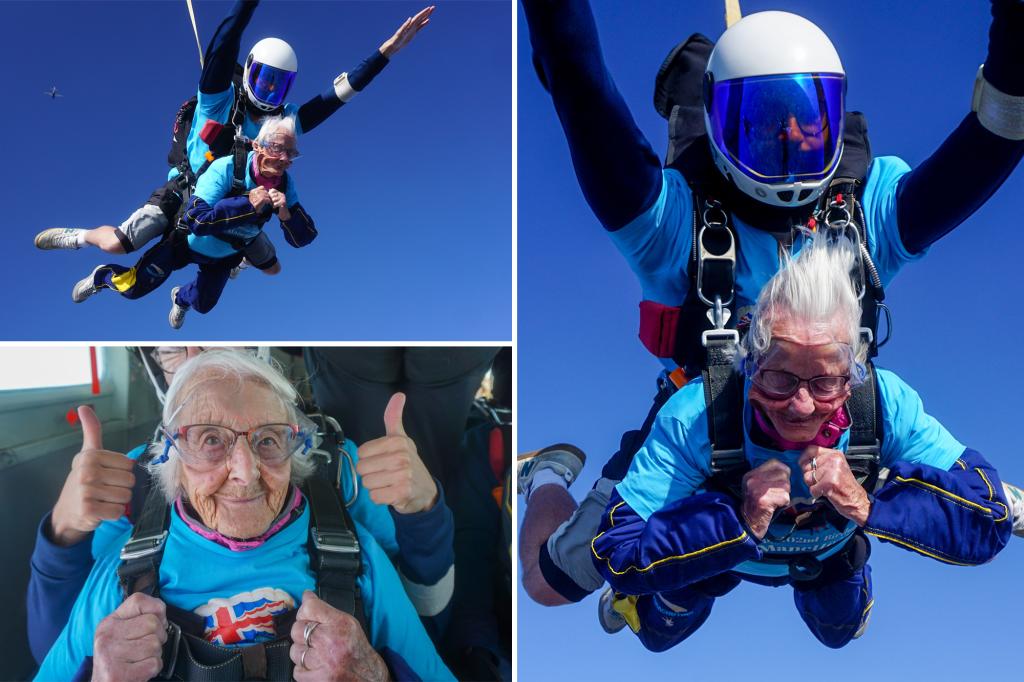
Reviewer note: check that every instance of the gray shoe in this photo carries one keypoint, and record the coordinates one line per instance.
(86, 286)
(564, 459)
(610, 619)
(58, 238)
(177, 315)
(1015, 497)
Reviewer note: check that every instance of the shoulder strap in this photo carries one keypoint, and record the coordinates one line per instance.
(723, 398)
(140, 557)
(334, 550)
(866, 431)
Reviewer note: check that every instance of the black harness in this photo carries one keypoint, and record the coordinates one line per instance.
(334, 555)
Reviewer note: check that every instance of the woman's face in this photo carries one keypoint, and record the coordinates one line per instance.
(241, 496)
(273, 160)
(806, 353)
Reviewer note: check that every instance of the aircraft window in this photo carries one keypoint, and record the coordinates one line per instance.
(47, 367)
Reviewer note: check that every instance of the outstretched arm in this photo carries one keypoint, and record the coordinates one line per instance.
(317, 110)
(617, 169)
(222, 52)
(973, 162)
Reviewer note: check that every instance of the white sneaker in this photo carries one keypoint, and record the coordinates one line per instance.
(177, 315)
(85, 287)
(610, 619)
(1015, 498)
(237, 270)
(58, 238)
(563, 459)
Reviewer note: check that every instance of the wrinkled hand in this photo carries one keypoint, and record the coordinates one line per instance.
(406, 32)
(260, 199)
(280, 204)
(97, 489)
(129, 642)
(828, 475)
(337, 649)
(765, 489)
(392, 470)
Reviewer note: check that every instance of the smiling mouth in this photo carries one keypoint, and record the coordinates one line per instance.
(241, 500)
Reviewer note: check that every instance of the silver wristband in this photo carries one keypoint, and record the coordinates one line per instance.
(999, 113)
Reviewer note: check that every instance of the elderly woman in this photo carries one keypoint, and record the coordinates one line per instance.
(225, 224)
(675, 541)
(236, 570)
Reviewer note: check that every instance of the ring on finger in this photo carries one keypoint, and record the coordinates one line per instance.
(302, 659)
(308, 632)
(814, 476)
(814, 463)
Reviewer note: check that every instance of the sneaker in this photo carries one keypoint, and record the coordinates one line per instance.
(86, 286)
(177, 315)
(610, 619)
(1015, 497)
(237, 270)
(563, 459)
(58, 238)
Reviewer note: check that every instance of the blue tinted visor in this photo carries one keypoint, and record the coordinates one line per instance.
(269, 84)
(780, 128)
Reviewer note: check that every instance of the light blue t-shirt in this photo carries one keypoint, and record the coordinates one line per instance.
(217, 107)
(214, 185)
(675, 461)
(239, 592)
(657, 243)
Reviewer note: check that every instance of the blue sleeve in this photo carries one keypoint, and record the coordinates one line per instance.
(910, 433)
(393, 622)
(299, 230)
(656, 244)
(675, 459)
(57, 576)
(881, 223)
(686, 541)
(426, 560)
(957, 516)
(317, 110)
(617, 169)
(99, 597)
(225, 45)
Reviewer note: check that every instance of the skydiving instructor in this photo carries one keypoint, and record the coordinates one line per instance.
(768, 181)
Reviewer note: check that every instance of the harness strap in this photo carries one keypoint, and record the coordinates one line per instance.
(140, 557)
(334, 549)
(865, 450)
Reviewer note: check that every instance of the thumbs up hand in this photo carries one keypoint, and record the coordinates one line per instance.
(391, 469)
(97, 489)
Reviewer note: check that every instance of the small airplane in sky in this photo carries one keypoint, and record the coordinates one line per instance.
(52, 92)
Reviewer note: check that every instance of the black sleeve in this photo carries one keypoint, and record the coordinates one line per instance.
(616, 167)
(972, 163)
(317, 110)
(222, 52)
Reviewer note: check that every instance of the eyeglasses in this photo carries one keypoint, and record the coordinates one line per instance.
(207, 446)
(279, 151)
(778, 384)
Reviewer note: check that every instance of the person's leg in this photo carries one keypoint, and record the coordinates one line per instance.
(837, 605)
(440, 385)
(202, 293)
(148, 273)
(353, 385)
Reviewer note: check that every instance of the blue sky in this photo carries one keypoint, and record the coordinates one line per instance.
(410, 184)
(585, 378)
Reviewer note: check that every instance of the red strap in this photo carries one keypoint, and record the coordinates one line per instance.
(95, 371)
(658, 325)
(496, 452)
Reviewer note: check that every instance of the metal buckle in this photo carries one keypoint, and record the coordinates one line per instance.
(719, 336)
(170, 657)
(704, 254)
(137, 548)
(339, 542)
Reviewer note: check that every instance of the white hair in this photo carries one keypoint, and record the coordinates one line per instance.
(221, 365)
(814, 288)
(273, 125)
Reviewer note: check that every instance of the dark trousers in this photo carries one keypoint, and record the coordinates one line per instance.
(355, 384)
(157, 264)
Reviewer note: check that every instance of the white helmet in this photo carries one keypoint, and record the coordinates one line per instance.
(774, 97)
(269, 71)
